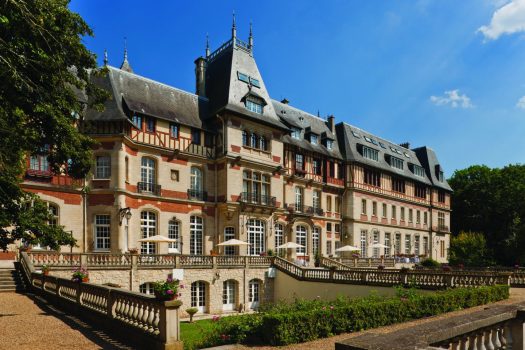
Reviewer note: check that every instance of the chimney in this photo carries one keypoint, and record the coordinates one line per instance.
(200, 76)
(331, 123)
(285, 101)
(405, 145)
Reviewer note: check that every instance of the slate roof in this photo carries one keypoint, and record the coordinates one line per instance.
(146, 96)
(349, 147)
(307, 122)
(429, 161)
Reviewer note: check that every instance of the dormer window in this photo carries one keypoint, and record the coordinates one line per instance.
(254, 104)
(441, 176)
(370, 153)
(313, 139)
(419, 171)
(296, 133)
(137, 121)
(329, 144)
(396, 163)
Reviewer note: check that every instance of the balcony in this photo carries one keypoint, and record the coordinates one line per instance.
(148, 188)
(197, 195)
(441, 228)
(306, 210)
(258, 199)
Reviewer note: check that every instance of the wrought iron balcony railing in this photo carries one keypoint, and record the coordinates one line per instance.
(148, 187)
(197, 194)
(302, 209)
(258, 199)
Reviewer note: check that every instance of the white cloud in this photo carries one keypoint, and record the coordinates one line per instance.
(521, 103)
(452, 98)
(508, 19)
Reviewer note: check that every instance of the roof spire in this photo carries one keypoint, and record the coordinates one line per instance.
(105, 57)
(207, 45)
(250, 38)
(125, 64)
(234, 28)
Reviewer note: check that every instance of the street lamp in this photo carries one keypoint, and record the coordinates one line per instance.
(125, 213)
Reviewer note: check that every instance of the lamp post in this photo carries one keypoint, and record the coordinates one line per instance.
(125, 213)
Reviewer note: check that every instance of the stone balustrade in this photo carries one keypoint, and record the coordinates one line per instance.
(153, 324)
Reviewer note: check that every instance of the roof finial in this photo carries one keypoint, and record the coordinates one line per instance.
(105, 57)
(125, 49)
(250, 39)
(207, 45)
(125, 64)
(234, 28)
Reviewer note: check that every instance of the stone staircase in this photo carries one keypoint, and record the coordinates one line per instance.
(11, 280)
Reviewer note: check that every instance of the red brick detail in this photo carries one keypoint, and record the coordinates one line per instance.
(321, 223)
(364, 217)
(107, 145)
(277, 204)
(276, 159)
(236, 149)
(328, 235)
(210, 211)
(131, 188)
(100, 184)
(277, 175)
(384, 221)
(337, 236)
(131, 151)
(101, 199)
(7, 255)
(174, 194)
(236, 167)
(174, 160)
(374, 219)
(179, 208)
(68, 198)
(393, 222)
(235, 197)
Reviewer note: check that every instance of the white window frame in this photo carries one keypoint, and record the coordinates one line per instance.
(198, 296)
(254, 294)
(148, 228)
(103, 167)
(279, 235)
(256, 231)
(174, 233)
(229, 233)
(370, 153)
(316, 240)
(196, 235)
(229, 295)
(102, 232)
(364, 243)
(301, 237)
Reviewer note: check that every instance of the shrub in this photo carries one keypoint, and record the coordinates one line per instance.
(192, 311)
(430, 263)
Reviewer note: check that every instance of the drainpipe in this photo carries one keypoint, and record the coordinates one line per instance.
(217, 180)
(84, 217)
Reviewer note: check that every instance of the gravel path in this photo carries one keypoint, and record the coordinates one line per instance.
(28, 322)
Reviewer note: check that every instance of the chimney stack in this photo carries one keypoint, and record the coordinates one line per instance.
(285, 101)
(200, 76)
(331, 123)
(405, 145)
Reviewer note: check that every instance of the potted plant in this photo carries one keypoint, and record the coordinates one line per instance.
(270, 252)
(166, 290)
(192, 311)
(80, 275)
(133, 251)
(45, 270)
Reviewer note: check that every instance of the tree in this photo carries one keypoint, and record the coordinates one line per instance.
(469, 249)
(43, 68)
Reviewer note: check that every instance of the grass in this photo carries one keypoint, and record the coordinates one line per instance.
(191, 333)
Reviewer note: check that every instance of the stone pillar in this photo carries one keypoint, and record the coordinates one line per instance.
(120, 186)
(169, 325)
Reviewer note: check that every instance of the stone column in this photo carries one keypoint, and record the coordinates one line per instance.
(120, 200)
(169, 325)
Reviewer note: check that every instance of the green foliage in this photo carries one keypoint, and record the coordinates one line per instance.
(430, 263)
(43, 64)
(490, 201)
(469, 249)
(306, 320)
(166, 289)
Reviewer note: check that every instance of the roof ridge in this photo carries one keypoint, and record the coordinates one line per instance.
(159, 83)
(297, 109)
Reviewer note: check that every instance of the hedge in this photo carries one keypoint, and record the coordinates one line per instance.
(309, 320)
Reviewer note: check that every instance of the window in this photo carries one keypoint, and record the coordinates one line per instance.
(364, 253)
(264, 143)
(418, 217)
(441, 176)
(174, 130)
(398, 185)
(419, 171)
(363, 206)
(376, 240)
(254, 104)
(196, 235)
(175, 175)
(243, 77)
(374, 208)
(331, 169)
(137, 121)
(316, 166)
(147, 174)
(296, 133)
(299, 195)
(208, 139)
(256, 188)
(245, 138)
(254, 287)
(316, 200)
(300, 238)
(396, 163)
(329, 203)
(398, 243)
(229, 233)
(299, 161)
(174, 233)
(329, 227)
(195, 181)
(441, 221)
(102, 232)
(416, 245)
(387, 244)
(316, 240)
(278, 235)
(337, 245)
(329, 144)
(313, 139)
(408, 242)
(441, 196)
(337, 205)
(53, 213)
(255, 82)
(370, 153)
(328, 247)
(442, 249)
(150, 124)
(410, 215)
(254, 140)
(39, 163)
(148, 228)
(198, 295)
(103, 167)
(425, 218)
(420, 191)
(394, 212)
(425, 246)
(337, 229)
(228, 295)
(126, 165)
(384, 211)
(402, 214)
(372, 177)
(195, 136)
(147, 288)
(256, 233)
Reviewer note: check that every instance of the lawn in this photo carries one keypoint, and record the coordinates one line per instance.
(192, 333)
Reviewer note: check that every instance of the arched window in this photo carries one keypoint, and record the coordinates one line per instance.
(196, 235)
(254, 289)
(278, 235)
(147, 288)
(256, 234)
(147, 174)
(198, 295)
(148, 228)
(300, 238)
(316, 243)
(174, 233)
(229, 294)
(254, 141)
(245, 138)
(229, 233)
(263, 143)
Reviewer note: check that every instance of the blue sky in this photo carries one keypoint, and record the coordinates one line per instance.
(443, 73)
